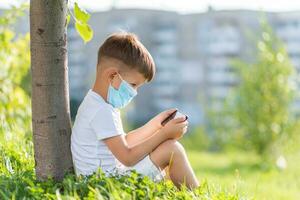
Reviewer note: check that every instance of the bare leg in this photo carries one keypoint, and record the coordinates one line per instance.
(172, 154)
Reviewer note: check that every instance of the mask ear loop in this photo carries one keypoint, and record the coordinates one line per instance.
(120, 77)
(113, 77)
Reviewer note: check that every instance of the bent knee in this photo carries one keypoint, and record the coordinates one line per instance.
(174, 146)
(165, 151)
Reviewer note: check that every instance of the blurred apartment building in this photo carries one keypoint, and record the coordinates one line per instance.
(178, 80)
(193, 54)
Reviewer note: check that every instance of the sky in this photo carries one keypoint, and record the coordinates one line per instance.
(182, 6)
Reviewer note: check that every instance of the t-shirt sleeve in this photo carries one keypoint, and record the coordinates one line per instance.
(106, 123)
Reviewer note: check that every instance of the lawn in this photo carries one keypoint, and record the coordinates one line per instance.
(229, 175)
(244, 173)
(18, 181)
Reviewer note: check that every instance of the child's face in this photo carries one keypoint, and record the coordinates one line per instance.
(132, 77)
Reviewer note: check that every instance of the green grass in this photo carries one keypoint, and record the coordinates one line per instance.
(244, 173)
(233, 175)
(18, 181)
(223, 176)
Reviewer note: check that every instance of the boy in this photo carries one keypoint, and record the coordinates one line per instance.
(98, 139)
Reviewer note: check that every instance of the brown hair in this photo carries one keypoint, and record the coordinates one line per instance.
(127, 48)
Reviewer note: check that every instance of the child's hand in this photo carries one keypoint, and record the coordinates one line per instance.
(175, 128)
(157, 120)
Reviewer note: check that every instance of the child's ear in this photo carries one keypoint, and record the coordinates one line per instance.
(112, 74)
(114, 78)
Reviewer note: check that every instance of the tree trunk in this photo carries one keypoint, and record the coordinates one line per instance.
(51, 122)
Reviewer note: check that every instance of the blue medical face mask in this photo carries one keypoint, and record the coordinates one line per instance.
(121, 97)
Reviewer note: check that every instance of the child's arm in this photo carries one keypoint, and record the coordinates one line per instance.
(139, 134)
(130, 155)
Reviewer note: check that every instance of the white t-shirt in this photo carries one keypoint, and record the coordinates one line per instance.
(95, 121)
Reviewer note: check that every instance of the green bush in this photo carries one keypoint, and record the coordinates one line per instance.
(257, 113)
(265, 93)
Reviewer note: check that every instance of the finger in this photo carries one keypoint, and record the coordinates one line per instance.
(185, 122)
(182, 125)
(170, 111)
(184, 130)
(163, 115)
(178, 120)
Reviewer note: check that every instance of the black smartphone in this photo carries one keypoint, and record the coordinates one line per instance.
(170, 117)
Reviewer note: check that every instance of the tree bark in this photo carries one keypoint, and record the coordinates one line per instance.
(51, 122)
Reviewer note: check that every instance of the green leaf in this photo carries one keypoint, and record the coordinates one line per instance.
(81, 15)
(81, 24)
(84, 31)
